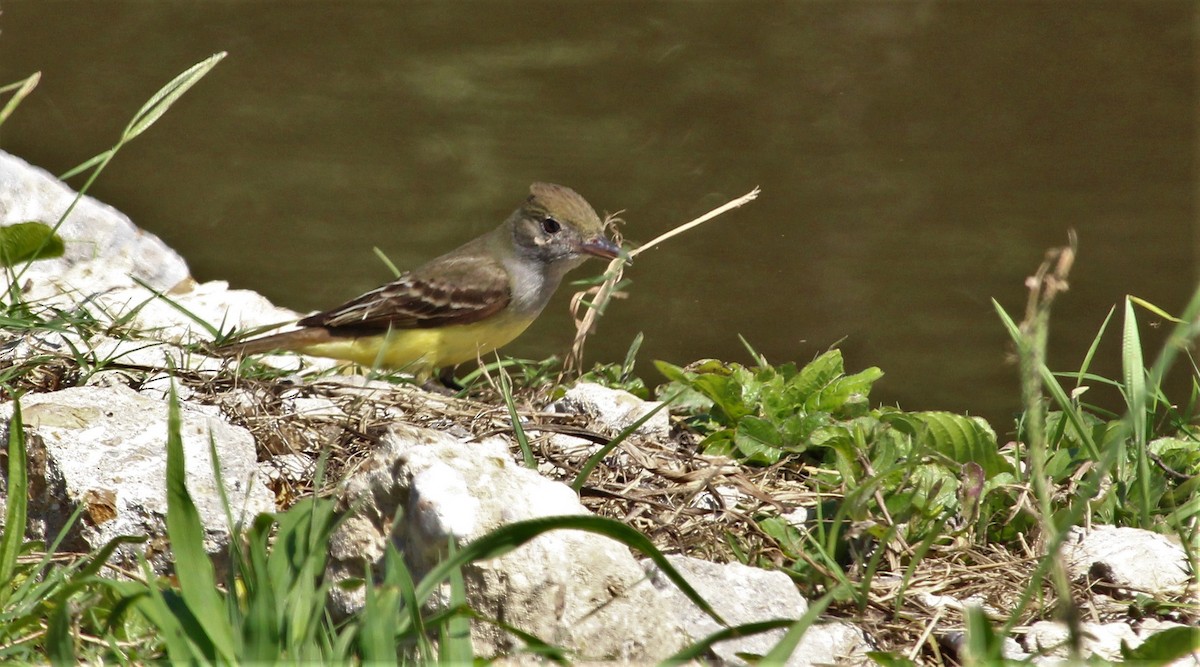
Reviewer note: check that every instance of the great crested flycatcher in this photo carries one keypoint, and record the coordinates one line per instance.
(463, 304)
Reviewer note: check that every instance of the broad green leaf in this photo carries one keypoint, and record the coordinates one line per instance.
(720, 444)
(758, 440)
(726, 394)
(28, 241)
(845, 395)
(837, 437)
(796, 430)
(690, 401)
(1166, 646)
(816, 375)
(936, 488)
(787, 535)
(958, 437)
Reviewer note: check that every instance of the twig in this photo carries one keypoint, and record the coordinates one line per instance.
(604, 292)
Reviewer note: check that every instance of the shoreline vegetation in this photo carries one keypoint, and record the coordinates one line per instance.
(373, 521)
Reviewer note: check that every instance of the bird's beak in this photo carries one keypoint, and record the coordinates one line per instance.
(600, 247)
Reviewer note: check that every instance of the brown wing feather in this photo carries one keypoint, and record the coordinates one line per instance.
(449, 290)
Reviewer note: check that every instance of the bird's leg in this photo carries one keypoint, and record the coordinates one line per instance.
(444, 382)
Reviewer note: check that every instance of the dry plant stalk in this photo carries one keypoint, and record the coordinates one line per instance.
(603, 293)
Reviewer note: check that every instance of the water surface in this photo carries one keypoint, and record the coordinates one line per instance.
(916, 158)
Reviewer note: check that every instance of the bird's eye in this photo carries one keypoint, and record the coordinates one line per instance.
(551, 225)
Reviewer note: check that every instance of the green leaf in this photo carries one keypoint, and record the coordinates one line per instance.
(983, 646)
(21, 90)
(783, 532)
(28, 241)
(197, 580)
(59, 644)
(817, 375)
(696, 652)
(725, 393)
(377, 634)
(454, 645)
(261, 631)
(719, 444)
(1165, 647)
(963, 439)
(838, 438)
(15, 515)
(786, 646)
(162, 100)
(758, 440)
(845, 395)
(506, 538)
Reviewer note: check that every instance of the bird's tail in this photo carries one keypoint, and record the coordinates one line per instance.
(296, 341)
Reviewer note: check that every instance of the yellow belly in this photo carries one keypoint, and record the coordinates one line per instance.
(421, 351)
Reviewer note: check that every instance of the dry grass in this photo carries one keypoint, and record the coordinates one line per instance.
(686, 502)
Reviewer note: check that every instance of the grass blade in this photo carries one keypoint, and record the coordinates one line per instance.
(22, 88)
(162, 100)
(454, 647)
(197, 579)
(595, 459)
(506, 538)
(787, 646)
(1134, 371)
(15, 515)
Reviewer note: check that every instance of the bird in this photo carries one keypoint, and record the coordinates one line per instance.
(461, 305)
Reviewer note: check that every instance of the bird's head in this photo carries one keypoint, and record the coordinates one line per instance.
(559, 228)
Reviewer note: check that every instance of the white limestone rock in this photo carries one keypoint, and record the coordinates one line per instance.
(743, 594)
(1129, 558)
(289, 467)
(211, 302)
(103, 249)
(1048, 641)
(105, 447)
(572, 588)
(614, 409)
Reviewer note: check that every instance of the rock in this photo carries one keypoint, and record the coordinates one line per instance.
(175, 320)
(954, 643)
(105, 447)
(722, 497)
(614, 409)
(574, 589)
(103, 249)
(743, 594)
(106, 255)
(1048, 640)
(934, 601)
(289, 467)
(314, 407)
(1129, 558)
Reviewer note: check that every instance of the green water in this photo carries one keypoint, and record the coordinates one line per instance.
(916, 158)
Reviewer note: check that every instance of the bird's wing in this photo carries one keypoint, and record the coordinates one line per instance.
(448, 290)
